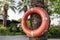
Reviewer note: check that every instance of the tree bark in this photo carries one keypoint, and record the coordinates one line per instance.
(4, 17)
(36, 19)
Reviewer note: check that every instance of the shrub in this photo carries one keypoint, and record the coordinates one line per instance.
(3, 30)
(54, 32)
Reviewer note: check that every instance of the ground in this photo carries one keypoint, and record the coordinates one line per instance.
(18, 38)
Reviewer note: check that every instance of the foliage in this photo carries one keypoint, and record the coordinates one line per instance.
(11, 30)
(19, 20)
(23, 5)
(28, 21)
(54, 32)
(4, 6)
(8, 4)
(53, 6)
(3, 30)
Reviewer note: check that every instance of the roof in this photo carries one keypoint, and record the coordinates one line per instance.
(13, 21)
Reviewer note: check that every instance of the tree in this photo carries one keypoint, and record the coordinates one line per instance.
(50, 6)
(37, 18)
(4, 6)
(23, 5)
(35, 3)
(54, 6)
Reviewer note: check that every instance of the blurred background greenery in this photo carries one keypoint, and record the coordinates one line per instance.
(53, 31)
(53, 7)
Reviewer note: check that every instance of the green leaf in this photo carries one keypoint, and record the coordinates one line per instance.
(20, 10)
(19, 4)
(13, 8)
(58, 0)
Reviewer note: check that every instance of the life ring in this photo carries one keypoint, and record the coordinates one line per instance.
(42, 28)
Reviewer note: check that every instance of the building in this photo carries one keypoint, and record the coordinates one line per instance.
(9, 22)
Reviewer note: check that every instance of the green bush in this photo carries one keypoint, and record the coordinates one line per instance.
(11, 30)
(15, 30)
(54, 32)
(3, 30)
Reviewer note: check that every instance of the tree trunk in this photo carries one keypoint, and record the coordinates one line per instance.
(36, 19)
(4, 16)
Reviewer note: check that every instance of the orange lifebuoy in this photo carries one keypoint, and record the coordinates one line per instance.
(42, 28)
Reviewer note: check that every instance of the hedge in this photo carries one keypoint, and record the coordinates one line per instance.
(53, 32)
